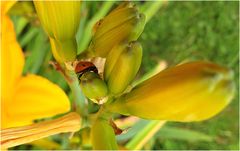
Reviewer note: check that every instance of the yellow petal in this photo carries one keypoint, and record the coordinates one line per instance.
(6, 5)
(12, 61)
(35, 97)
(60, 19)
(20, 135)
(188, 92)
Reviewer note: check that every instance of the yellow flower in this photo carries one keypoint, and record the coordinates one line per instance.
(6, 5)
(24, 98)
(60, 19)
(189, 92)
(20, 135)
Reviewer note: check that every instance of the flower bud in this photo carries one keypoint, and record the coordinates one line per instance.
(93, 86)
(60, 19)
(188, 92)
(122, 65)
(123, 24)
(102, 135)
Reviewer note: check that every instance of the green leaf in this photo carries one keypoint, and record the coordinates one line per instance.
(37, 49)
(182, 134)
(143, 136)
(19, 24)
(28, 36)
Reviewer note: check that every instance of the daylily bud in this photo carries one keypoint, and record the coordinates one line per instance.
(60, 19)
(122, 65)
(102, 135)
(188, 92)
(93, 86)
(122, 24)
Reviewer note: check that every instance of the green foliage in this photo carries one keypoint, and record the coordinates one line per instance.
(38, 52)
(183, 31)
(192, 30)
(182, 134)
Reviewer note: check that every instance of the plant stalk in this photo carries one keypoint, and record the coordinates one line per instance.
(79, 99)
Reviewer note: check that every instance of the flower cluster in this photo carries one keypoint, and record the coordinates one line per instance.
(192, 91)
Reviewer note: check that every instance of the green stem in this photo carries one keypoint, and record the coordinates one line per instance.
(103, 113)
(78, 96)
(150, 8)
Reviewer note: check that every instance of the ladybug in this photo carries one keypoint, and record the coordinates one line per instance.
(83, 67)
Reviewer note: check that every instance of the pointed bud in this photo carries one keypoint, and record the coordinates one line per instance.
(125, 4)
(102, 135)
(106, 24)
(137, 31)
(188, 92)
(60, 19)
(125, 23)
(122, 65)
(93, 86)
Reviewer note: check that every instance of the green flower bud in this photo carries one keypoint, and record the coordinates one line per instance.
(93, 86)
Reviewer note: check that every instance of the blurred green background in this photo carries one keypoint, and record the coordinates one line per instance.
(197, 31)
(178, 31)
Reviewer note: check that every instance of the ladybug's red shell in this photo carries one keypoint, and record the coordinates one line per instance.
(85, 66)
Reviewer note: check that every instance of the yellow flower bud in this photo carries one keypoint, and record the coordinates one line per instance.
(122, 65)
(60, 19)
(124, 23)
(188, 92)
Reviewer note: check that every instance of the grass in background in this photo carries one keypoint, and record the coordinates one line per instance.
(183, 31)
